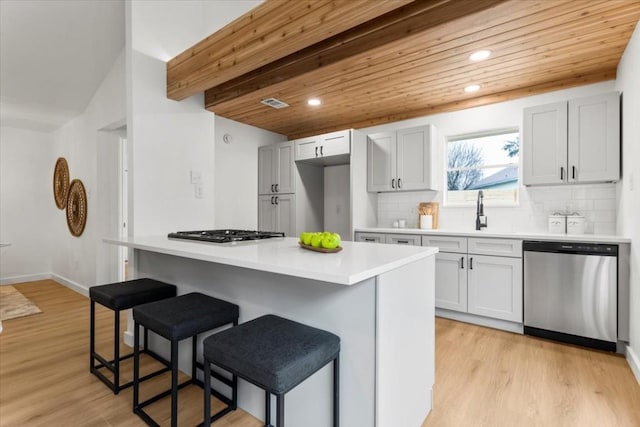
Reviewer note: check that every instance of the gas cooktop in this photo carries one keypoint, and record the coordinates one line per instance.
(224, 236)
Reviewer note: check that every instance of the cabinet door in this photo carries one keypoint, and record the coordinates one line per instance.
(266, 172)
(381, 161)
(370, 237)
(306, 149)
(403, 239)
(335, 143)
(594, 138)
(266, 213)
(286, 168)
(495, 287)
(451, 281)
(414, 168)
(544, 144)
(285, 214)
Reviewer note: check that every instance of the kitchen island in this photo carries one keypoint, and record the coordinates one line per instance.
(378, 298)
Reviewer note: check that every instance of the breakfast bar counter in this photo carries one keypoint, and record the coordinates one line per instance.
(379, 299)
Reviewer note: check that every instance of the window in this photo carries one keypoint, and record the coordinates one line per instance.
(485, 161)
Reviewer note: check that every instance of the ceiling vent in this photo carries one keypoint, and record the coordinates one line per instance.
(275, 103)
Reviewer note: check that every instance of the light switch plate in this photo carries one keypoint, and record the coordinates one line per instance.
(199, 192)
(196, 177)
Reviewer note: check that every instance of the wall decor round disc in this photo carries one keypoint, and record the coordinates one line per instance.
(76, 208)
(61, 182)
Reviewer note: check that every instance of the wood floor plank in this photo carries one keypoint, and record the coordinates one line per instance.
(484, 377)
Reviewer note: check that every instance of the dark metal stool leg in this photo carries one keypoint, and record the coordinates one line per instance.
(136, 365)
(116, 353)
(92, 335)
(336, 391)
(267, 408)
(207, 394)
(174, 383)
(280, 410)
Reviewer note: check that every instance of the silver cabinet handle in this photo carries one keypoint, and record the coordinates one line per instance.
(276, 200)
(561, 173)
(470, 263)
(272, 190)
(461, 263)
(321, 153)
(573, 172)
(393, 183)
(316, 151)
(404, 242)
(369, 239)
(272, 200)
(399, 183)
(277, 188)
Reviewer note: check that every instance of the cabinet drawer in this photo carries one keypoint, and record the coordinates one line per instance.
(499, 247)
(370, 237)
(446, 244)
(403, 239)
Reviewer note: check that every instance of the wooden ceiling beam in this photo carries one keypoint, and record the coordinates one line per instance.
(273, 30)
(409, 20)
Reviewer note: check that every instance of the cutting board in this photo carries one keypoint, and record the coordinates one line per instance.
(432, 209)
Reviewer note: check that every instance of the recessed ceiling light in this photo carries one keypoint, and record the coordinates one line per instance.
(479, 55)
(314, 102)
(472, 88)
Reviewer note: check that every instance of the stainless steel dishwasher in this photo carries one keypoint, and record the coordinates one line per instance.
(570, 292)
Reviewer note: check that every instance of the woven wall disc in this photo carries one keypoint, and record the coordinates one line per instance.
(76, 208)
(61, 182)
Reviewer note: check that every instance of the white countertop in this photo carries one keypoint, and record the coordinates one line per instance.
(591, 238)
(357, 261)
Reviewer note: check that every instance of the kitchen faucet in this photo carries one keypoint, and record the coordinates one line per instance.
(481, 218)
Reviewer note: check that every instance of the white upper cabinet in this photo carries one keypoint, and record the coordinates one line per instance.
(276, 169)
(401, 160)
(572, 142)
(545, 144)
(594, 138)
(328, 149)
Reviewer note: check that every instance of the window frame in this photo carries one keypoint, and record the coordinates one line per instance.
(481, 134)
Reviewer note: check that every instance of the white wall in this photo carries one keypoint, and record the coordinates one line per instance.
(236, 173)
(629, 188)
(596, 202)
(79, 261)
(168, 139)
(27, 208)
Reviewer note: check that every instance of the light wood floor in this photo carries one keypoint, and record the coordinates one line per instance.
(483, 377)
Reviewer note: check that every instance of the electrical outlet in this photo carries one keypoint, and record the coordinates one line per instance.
(199, 192)
(196, 177)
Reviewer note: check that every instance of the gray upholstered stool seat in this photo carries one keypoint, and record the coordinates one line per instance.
(184, 316)
(123, 296)
(274, 354)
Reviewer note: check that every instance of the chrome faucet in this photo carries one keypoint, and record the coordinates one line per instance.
(481, 218)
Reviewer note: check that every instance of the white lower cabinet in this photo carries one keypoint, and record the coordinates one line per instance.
(277, 213)
(471, 279)
(495, 287)
(451, 281)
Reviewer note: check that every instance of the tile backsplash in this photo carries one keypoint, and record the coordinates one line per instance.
(596, 202)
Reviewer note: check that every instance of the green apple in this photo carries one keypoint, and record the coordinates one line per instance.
(305, 238)
(330, 242)
(337, 236)
(316, 240)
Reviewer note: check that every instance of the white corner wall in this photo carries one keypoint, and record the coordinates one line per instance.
(629, 188)
(27, 208)
(236, 172)
(169, 139)
(78, 261)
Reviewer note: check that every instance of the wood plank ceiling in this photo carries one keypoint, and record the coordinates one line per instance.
(378, 61)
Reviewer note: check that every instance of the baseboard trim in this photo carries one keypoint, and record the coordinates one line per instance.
(24, 278)
(74, 286)
(634, 362)
(504, 325)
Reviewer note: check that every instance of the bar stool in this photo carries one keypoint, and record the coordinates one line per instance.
(176, 319)
(274, 354)
(117, 297)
